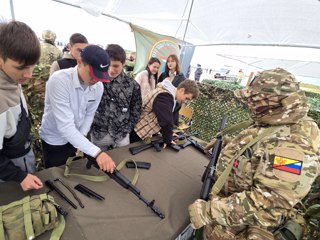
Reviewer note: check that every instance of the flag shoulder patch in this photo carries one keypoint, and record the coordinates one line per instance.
(287, 164)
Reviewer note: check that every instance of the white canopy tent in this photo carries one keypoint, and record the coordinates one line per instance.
(236, 24)
(210, 22)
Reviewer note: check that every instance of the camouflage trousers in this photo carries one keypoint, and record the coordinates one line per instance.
(223, 233)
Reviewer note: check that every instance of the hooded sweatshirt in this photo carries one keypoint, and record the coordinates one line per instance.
(10, 110)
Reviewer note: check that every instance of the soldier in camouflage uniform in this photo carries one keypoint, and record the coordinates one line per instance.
(49, 51)
(276, 172)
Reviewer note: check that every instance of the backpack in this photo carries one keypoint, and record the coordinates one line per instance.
(31, 216)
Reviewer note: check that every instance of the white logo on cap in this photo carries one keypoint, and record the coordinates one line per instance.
(103, 66)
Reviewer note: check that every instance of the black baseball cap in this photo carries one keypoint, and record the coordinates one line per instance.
(98, 60)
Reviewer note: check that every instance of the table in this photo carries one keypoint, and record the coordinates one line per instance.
(173, 181)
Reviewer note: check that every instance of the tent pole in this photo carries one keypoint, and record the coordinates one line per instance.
(185, 31)
(12, 10)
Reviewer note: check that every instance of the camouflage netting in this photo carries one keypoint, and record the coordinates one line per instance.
(216, 99)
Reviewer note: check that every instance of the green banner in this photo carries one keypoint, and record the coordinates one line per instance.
(150, 44)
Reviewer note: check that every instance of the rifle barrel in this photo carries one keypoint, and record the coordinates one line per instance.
(210, 169)
(125, 183)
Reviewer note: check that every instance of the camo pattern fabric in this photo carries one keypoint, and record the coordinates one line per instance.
(271, 177)
(49, 54)
(274, 97)
(49, 36)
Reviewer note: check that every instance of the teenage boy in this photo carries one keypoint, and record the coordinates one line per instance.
(19, 52)
(120, 106)
(71, 99)
(77, 42)
(158, 109)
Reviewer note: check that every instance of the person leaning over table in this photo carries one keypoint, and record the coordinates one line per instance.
(71, 99)
(19, 52)
(158, 110)
(271, 176)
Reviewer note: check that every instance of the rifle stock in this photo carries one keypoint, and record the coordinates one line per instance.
(125, 183)
(136, 150)
(208, 175)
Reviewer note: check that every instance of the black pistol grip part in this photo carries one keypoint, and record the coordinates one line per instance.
(157, 146)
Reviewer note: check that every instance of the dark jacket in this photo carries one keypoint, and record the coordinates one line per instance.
(176, 81)
(119, 109)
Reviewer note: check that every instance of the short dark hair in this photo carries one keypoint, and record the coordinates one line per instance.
(190, 86)
(19, 43)
(116, 53)
(77, 38)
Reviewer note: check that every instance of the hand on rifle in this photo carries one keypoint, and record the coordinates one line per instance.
(175, 136)
(105, 162)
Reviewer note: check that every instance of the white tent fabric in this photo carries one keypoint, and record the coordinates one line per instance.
(214, 22)
(225, 25)
(298, 68)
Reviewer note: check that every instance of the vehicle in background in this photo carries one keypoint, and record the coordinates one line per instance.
(222, 73)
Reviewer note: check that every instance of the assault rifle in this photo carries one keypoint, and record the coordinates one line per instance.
(125, 183)
(207, 177)
(191, 142)
(157, 144)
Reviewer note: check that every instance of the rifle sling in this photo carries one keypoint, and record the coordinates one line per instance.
(235, 128)
(223, 177)
(100, 178)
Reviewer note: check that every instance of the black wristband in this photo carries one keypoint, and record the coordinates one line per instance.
(98, 154)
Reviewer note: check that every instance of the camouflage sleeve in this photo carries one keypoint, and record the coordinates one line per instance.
(225, 140)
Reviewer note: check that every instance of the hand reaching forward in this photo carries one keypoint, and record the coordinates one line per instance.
(31, 182)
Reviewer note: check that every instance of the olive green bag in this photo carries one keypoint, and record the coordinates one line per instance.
(29, 217)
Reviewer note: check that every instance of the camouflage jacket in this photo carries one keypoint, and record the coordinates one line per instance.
(269, 179)
(49, 54)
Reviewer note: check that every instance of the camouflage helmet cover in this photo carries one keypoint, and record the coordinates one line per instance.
(49, 36)
(277, 82)
(274, 97)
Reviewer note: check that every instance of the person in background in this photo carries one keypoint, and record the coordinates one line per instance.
(198, 73)
(147, 79)
(71, 99)
(172, 71)
(158, 109)
(120, 106)
(240, 76)
(130, 62)
(263, 184)
(19, 53)
(49, 51)
(77, 42)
